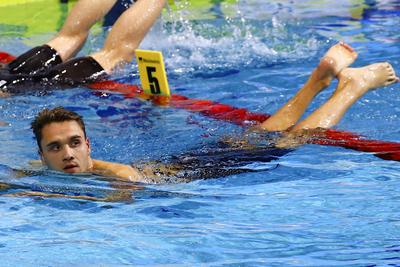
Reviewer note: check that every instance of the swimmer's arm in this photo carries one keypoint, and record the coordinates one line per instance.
(18, 173)
(118, 170)
(111, 169)
(113, 197)
(48, 195)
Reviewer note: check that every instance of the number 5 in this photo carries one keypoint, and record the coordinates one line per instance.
(154, 85)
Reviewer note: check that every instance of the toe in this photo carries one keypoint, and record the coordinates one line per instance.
(348, 47)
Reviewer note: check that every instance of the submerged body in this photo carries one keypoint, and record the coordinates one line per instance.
(228, 157)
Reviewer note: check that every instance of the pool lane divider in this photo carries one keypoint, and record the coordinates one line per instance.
(383, 149)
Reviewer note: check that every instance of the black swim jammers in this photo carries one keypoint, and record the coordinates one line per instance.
(41, 69)
(218, 160)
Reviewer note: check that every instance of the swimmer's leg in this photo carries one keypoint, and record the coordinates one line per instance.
(74, 72)
(66, 43)
(34, 61)
(75, 30)
(353, 84)
(127, 33)
(337, 58)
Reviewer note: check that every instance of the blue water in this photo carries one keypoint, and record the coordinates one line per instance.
(316, 206)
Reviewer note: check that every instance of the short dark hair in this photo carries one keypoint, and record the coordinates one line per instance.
(57, 114)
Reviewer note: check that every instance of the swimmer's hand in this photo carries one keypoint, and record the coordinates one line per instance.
(36, 163)
(119, 196)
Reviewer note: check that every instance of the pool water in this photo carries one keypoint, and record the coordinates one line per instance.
(316, 206)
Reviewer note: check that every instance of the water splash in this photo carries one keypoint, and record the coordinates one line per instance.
(223, 44)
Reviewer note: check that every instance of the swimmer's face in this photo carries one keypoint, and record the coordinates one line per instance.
(65, 148)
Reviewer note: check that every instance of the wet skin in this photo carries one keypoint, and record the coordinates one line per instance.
(65, 148)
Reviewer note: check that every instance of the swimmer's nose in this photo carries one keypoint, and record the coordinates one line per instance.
(68, 155)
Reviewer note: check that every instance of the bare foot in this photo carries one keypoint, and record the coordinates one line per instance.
(361, 80)
(337, 58)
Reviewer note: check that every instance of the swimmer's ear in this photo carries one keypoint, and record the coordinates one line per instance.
(41, 157)
(88, 144)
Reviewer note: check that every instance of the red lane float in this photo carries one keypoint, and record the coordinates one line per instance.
(5, 57)
(240, 116)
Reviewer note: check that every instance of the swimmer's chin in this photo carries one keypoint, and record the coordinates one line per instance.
(72, 168)
(75, 170)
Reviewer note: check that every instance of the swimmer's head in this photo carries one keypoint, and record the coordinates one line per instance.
(58, 114)
(62, 141)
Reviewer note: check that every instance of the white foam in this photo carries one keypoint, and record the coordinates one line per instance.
(230, 43)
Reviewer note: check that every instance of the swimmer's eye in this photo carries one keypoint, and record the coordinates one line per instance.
(75, 142)
(54, 148)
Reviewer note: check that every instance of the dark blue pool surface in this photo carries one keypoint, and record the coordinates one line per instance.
(316, 206)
